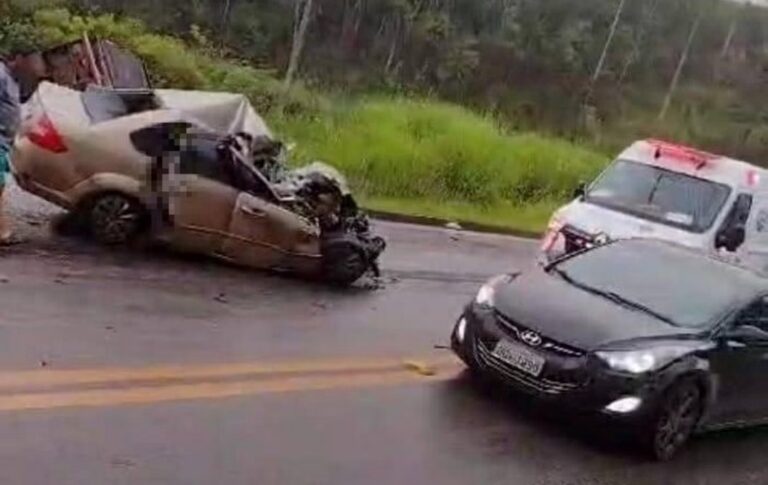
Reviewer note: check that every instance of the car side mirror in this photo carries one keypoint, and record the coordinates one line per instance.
(746, 333)
(730, 238)
(580, 191)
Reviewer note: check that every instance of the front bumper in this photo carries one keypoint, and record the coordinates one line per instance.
(571, 378)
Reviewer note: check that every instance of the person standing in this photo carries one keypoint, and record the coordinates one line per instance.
(10, 118)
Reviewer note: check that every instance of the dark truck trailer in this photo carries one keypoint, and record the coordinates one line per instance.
(86, 63)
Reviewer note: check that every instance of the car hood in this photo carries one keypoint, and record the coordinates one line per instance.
(558, 310)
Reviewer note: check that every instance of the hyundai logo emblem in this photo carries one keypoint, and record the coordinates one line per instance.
(531, 338)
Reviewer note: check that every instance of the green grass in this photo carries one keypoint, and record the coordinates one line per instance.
(416, 157)
(528, 219)
(439, 160)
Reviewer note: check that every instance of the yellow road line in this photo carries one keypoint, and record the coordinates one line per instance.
(158, 374)
(145, 395)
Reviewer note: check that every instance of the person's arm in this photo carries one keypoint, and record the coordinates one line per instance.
(10, 107)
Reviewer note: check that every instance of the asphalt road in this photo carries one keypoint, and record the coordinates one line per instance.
(143, 368)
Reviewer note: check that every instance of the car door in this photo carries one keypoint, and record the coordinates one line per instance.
(754, 253)
(265, 235)
(741, 366)
(201, 212)
(190, 208)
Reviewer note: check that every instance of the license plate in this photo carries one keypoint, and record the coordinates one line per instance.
(519, 357)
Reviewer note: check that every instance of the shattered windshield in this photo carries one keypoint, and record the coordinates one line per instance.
(659, 195)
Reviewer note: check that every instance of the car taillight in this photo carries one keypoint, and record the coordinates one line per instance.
(43, 134)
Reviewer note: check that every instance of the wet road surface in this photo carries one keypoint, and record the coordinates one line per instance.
(155, 369)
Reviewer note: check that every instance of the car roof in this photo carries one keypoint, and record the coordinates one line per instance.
(228, 113)
(697, 163)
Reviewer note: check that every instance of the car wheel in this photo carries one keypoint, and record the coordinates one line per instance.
(675, 420)
(115, 219)
(344, 267)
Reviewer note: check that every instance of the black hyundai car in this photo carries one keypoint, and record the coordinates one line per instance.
(661, 339)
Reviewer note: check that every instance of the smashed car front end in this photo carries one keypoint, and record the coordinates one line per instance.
(571, 378)
(350, 248)
(320, 194)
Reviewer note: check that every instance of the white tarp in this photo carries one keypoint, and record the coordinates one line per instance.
(224, 113)
(221, 112)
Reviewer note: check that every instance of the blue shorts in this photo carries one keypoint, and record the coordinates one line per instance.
(5, 164)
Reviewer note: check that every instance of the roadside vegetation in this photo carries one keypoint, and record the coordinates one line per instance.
(406, 155)
(372, 91)
(429, 158)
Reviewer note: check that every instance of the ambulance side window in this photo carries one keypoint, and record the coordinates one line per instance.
(761, 221)
(733, 231)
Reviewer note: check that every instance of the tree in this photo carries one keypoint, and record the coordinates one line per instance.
(680, 65)
(225, 17)
(603, 55)
(303, 17)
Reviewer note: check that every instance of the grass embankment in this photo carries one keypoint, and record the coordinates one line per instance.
(433, 159)
(413, 157)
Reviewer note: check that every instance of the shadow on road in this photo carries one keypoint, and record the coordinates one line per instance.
(533, 428)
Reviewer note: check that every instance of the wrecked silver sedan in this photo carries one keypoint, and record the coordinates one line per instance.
(198, 171)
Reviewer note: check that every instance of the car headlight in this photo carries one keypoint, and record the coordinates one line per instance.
(487, 294)
(641, 361)
(461, 330)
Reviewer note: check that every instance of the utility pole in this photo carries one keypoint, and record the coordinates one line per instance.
(680, 65)
(299, 38)
(604, 54)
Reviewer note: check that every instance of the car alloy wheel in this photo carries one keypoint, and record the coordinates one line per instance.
(115, 219)
(677, 419)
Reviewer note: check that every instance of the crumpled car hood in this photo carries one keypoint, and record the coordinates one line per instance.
(323, 169)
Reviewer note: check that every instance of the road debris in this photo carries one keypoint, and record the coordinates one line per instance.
(320, 304)
(122, 463)
(454, 225)
(221, 298)
(420, 368)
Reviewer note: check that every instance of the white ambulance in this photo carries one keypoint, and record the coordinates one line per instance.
(662, 190)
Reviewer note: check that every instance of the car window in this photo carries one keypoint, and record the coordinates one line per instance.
(102, 105)
(108, 104)
(761, 221)
(660, 195)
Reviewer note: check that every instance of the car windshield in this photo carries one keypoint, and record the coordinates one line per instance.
(659, 195)
(693, 291)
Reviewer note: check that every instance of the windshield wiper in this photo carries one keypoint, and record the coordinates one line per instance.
(614, 297)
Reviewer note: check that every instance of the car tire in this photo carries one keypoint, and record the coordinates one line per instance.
(115, 219)
(69, 224)
(344, 267)
(675, 420)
